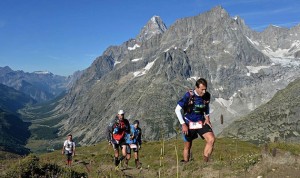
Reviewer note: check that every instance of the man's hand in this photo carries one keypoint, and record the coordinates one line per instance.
(207, 121)
(140, 147)
(62, 152)
(185, 129)
(109, 142)
(73, 154)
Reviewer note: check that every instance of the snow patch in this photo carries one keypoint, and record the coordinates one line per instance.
(234, 94)
(226, 51)
(286, 62)
(251, 41)
(149, 65)
(153, 18)
(134, 47)
(276, 26)
(137, 59)
(251, 106)
(194, 78)
(175, 47)
(296, 44)
(219, 89)
(167, 50)
(42, 72)
(216, 42)
(117, 62)
(256, 69)
(144, 70)
(278, 53)
(226, 104)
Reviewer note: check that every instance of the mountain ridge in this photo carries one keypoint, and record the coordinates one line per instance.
(40, 85)
(146, 79)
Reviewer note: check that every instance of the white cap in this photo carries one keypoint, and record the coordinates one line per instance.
(121, 112)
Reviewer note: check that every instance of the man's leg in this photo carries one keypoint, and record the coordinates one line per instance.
(210, 139)
(186, 150)
(128, 155)
(116, 152)
(69, 159)
(136, 157)
(124, 153)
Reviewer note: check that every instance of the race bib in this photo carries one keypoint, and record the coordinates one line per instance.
(133, 146)
(195, 125)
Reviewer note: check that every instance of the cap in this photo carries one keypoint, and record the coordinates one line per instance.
(121, 112)
(136, 122)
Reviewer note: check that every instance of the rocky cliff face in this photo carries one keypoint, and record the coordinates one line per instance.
(146, 76)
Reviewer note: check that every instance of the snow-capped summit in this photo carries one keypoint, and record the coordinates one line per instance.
(42, 72)
(153, 27)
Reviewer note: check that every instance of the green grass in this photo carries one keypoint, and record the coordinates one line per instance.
(291, 147)
(234, 156)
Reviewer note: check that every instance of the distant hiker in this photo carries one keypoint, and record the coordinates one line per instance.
(196, 121)
(69, 149)
(134, 141)
(116, 132)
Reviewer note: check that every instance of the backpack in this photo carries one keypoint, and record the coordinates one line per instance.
(119, 129)
(189, 106)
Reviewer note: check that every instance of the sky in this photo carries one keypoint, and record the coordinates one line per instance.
(64, 36)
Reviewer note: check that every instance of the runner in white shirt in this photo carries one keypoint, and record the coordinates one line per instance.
(69, 149)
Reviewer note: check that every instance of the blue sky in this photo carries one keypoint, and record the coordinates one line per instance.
(62, 36)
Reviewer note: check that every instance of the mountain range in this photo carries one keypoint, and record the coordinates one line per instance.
(146, 76)
(40, 85)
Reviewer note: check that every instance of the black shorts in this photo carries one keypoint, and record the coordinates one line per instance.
(193, 133)
(69, 156)
(118, 144)
(128, 149)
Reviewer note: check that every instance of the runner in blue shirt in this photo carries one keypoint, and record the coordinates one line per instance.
(196, 121)
(134, 142)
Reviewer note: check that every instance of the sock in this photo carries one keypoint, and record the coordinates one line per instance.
(116, 161)
(122, 157)
(205, 158)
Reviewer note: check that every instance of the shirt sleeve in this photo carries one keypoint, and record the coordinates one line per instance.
(109, 131)
(184, 100)
(207, 110)
(207, 101)
(178, 114)
(139, 137)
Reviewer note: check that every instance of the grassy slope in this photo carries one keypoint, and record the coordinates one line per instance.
(231, 158)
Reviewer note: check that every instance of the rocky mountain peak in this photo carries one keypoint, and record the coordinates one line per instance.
(275, 30)
(218, 11)
(153, 27)
(5, 69)
(212, 45)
